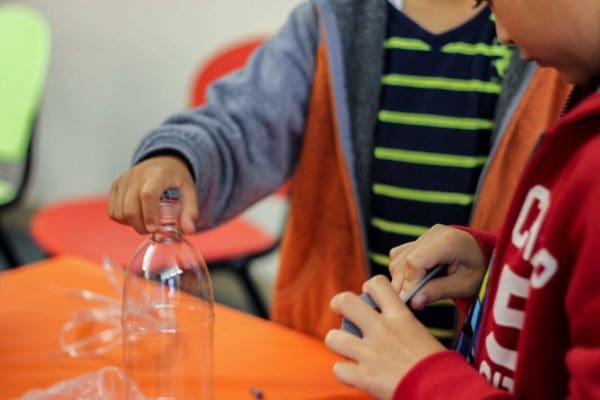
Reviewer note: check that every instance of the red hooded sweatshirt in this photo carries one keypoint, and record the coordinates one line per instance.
(539, 336)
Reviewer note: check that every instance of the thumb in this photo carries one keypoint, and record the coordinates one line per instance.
(435, 290)
(462, 284)
(189, 208)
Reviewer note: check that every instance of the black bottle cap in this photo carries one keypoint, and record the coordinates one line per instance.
(170, 194)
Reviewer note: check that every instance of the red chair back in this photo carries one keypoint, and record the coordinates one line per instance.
(223, 62)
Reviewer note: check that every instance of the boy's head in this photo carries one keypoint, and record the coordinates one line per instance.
(564, 34)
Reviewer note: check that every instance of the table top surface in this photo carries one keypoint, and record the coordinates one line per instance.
(249, 352)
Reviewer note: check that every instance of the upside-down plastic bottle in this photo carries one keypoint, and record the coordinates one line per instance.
(167, 316)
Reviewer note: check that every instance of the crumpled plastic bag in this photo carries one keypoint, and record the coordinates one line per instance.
(107, 383)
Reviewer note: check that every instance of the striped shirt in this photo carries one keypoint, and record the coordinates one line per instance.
(432, 137)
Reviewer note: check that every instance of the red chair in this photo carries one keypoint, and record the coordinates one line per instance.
(81, 226)
(221, 63)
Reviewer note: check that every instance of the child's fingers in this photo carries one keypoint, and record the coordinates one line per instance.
(354, 309)
(189, 208)
(432, 248)
(132, 211)
(413, 261)
(150, 195)
(122, 187)
(381, 290)
(347, 372)
(434, 290)
(397, 257)
(461, 284)
(398, 250)
(398, 282)
(344, 344)
(114, 205)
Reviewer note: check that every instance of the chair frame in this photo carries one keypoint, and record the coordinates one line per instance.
(8, 250)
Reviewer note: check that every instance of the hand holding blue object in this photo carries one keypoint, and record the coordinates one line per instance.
(350, 327)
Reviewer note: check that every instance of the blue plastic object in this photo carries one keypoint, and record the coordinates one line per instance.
(350, 327)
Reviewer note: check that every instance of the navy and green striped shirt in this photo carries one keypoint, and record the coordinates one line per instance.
(432, 137)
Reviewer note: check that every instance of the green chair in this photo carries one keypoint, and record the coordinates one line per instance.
(24, 56)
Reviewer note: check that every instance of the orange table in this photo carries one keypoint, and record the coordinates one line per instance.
(249, 352)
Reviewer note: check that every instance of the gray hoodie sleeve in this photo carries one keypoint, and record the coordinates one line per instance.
(243, 144)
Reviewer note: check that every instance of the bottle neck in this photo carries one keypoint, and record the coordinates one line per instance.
(168, 223)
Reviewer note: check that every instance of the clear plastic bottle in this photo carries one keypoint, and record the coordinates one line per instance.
(167, 316)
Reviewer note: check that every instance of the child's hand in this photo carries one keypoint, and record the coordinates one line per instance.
(440, 245)
(135, 195)
(393, 341)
